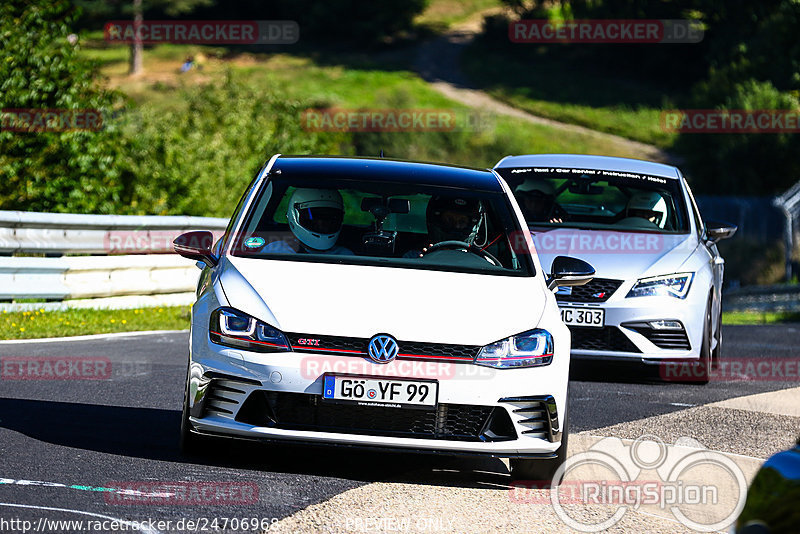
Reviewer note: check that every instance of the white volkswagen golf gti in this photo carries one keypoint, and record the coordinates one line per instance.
(658, 291)
(371, 302)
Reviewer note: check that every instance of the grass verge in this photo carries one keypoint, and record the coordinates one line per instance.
(754, 317)
(350, 82)
(548, 88)
(79, 322)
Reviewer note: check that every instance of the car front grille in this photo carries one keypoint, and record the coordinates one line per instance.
(538, 414)
(355, 346)
(299, 411)
(598, 290)
(607, 338)
(223, 397)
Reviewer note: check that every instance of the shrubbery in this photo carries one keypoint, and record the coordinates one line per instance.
(75, 171)
(198, 161)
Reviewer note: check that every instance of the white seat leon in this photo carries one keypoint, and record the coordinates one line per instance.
(657, 295)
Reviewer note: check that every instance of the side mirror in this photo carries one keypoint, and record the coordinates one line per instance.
(717, 231)
(567, 271)
(196, 246)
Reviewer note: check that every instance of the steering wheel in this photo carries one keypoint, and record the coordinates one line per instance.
(461, 245)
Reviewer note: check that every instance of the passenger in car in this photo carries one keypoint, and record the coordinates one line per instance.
(315, 218)
(538, 202)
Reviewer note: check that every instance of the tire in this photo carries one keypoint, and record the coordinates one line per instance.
(191, 444)
(541, 470)
(705, 348)
(716, 355)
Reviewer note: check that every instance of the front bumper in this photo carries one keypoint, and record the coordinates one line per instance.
(276, 397)
(626, 336)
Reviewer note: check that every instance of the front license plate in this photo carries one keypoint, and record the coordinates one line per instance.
(381, 392)
(583, 317)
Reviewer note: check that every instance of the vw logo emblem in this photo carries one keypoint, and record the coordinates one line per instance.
(382, 348)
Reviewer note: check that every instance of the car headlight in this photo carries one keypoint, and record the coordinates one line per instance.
(529, 349)
(233, 328)
(670, 285)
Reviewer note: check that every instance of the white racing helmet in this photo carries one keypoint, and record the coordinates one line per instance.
(648, 205)
(315, 217)
(537, 199)
(544, 187)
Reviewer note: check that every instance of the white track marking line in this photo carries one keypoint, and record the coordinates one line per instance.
(90, 337)
(131, 524)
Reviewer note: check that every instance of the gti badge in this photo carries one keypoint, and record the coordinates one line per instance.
(383, 348)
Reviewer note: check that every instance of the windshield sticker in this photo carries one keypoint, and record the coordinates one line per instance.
(595, 172)
(254, 242)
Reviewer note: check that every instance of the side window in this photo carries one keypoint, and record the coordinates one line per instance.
(237, 213)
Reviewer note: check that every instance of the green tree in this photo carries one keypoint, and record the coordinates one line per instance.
(752, 163)
(197, 160)
(73, 171)
(135, 9)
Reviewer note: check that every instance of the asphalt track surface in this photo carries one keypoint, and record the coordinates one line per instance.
(64, 444)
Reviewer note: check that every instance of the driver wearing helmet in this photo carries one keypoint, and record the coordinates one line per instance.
(648, 205)
(453, 219)
(315, 218)
(450, 219)
(537, 199)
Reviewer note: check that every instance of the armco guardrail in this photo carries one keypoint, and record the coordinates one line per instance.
(763, 298)
(67, 233)
(128, 255)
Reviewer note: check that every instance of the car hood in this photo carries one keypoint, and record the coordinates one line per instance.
(361, 301)
(617, 255)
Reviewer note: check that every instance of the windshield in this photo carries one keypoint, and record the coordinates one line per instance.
(598, 199)
(333, 220)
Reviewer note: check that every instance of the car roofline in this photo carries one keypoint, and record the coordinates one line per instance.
(483, 178)
(577, 161)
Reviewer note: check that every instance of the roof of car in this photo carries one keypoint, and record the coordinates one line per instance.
(576, 161)
(389, 170)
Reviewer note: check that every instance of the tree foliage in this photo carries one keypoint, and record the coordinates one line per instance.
(749, 58)
(73, 171)
(198, 161)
